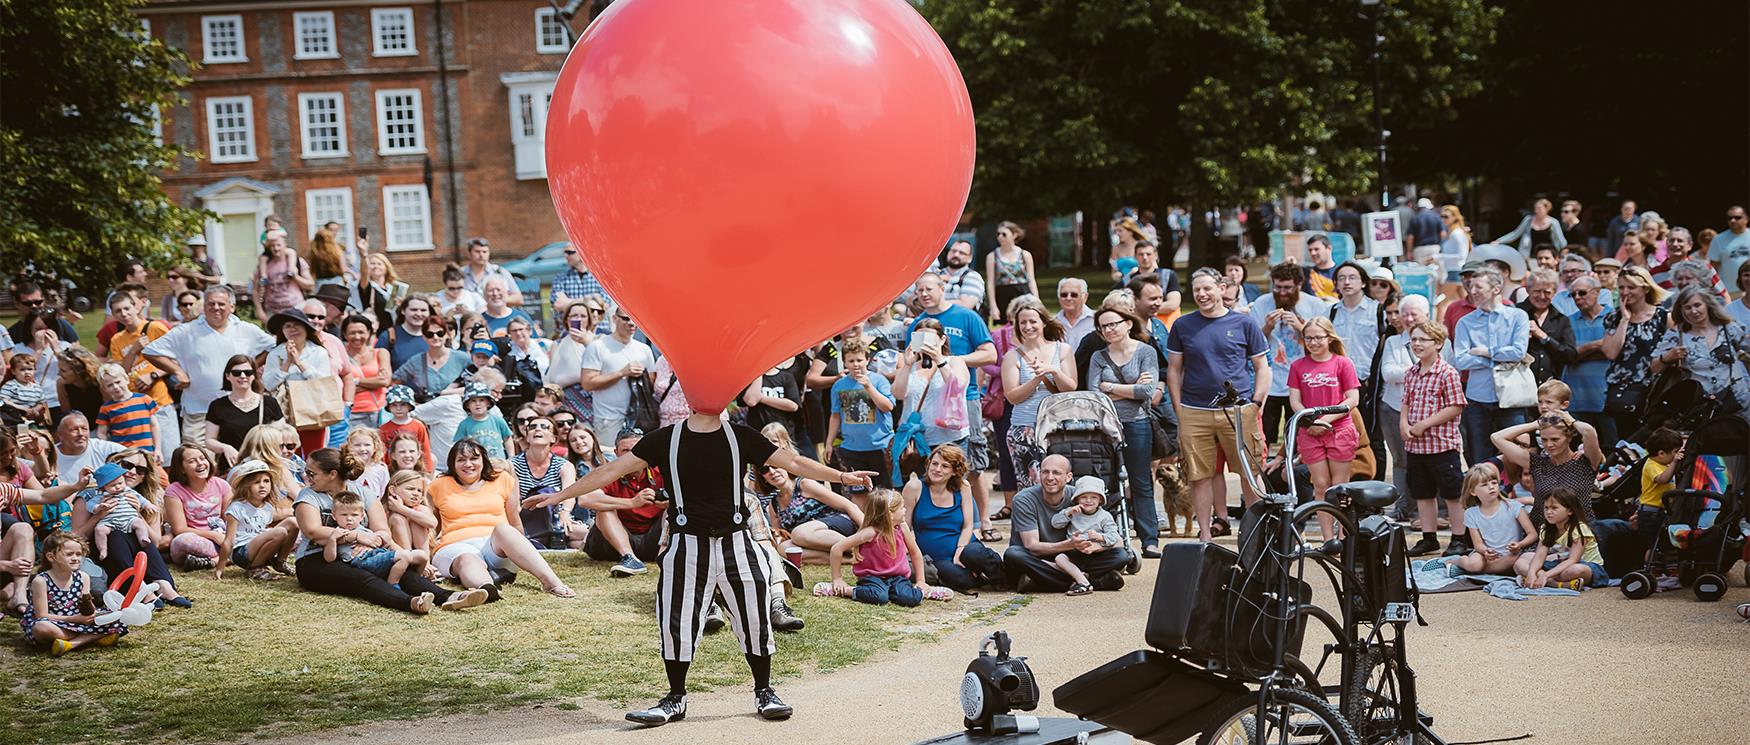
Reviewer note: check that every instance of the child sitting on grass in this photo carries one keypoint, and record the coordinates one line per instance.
(1499, 528)
(1087, 520)
(410, 523)
(258, 535)
(888, 564)
(386, 562)
(124, 515)
(62, 612)
(1567, 554)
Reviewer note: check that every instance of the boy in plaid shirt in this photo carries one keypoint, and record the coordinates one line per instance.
(1433, 401)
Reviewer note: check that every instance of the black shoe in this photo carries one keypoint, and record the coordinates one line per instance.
(1456, 548)
(1333, 547)
(1109, 581)
(714, 619)
(767, 703)
(1424, 547)
(672, 708)
(180, 602)
(784, 619)
(1150, 552)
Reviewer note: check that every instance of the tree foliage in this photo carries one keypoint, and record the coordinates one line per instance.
(1100, 102)
(79, 192)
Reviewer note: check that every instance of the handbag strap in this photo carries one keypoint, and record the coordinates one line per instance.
(672, 379)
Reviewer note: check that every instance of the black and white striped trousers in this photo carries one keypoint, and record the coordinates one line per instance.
(693, 569)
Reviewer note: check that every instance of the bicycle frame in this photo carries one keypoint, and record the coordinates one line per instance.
(1290, 516)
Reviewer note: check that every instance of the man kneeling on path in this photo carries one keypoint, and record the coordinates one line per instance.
(631, 534)
(1035, 544)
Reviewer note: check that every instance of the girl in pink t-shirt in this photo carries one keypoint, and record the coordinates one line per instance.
(1324, 377)
(195, 509)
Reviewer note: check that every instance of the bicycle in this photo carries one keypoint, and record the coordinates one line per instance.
(1376, 693)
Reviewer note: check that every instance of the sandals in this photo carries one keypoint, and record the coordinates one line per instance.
(263, 574)
(1079, 588)
(989, 535)
(280, 566)
(1002, 514)
(561, 591)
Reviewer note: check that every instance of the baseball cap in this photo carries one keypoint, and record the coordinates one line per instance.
(1089, 485)
(483, 347)
(1380, 272)
(1471, 267)
(1425, 203)
(246, 468)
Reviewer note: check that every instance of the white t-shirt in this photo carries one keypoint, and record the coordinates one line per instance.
(607, 355)
(469, 301)
(251, 520)
(441, 416)
(203, 352)
(96, 452)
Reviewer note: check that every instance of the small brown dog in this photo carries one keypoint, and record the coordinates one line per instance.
(1176, 500)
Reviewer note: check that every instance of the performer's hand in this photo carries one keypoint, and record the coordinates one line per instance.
(865, 479)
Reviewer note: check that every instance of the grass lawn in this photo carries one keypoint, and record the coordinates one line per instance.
(266, 659)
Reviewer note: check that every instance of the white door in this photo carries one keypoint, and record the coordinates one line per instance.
(240, 246)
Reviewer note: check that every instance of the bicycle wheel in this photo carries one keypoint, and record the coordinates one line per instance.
(1291, 717)
(1374, 699)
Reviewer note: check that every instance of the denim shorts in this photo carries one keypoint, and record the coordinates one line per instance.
(838, 522)
(377, 561)
(1599, 576)
(240, 555)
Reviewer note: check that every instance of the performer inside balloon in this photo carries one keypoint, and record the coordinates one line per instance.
(709, 549)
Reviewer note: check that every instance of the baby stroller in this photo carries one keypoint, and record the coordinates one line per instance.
(1083, 426)
(1702, 536)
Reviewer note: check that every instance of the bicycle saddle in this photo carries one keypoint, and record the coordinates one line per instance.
(1373, 495)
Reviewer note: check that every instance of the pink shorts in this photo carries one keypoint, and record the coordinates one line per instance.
(1338, 444)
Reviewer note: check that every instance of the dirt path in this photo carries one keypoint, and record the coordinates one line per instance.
(1594, 669)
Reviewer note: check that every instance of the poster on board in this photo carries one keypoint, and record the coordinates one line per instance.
(1383, 234)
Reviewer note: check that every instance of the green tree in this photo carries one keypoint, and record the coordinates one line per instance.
(1093, 103)
(80, 192)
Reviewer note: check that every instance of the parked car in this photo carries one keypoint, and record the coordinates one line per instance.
(542, 265)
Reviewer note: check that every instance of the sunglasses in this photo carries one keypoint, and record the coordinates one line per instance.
(564, 422)
(438, 334)
(1069, 294)
(538, 425)
(139, 468)
(288, 446)
(523, 421)
(570, 252)
(185, 305)
(37, 303)
(241, 372)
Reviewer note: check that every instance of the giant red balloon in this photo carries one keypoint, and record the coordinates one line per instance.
(748, 178)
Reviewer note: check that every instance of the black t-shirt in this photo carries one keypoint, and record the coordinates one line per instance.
(710, 493)
(234, 424)
(780, 384)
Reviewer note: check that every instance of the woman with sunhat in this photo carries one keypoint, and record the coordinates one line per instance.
(298, 356)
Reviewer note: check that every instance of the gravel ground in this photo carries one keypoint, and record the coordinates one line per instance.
(1598, 668)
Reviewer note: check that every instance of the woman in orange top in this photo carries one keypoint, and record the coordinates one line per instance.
(480, 532)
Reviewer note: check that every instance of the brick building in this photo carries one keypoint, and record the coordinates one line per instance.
(421, 122)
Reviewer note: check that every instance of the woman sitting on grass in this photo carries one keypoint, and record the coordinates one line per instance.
(812, 513)
(941, 517)
(480, 533)
(328, 471)
(196, 501)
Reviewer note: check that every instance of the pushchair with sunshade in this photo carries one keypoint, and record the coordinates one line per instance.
(1703, 534)
(1083, 426)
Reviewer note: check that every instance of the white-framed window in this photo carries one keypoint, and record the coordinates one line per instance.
(400, 128)
(222, 40)
(528, 127)
(315, 35)
(323, 206)
(157, 125)
(392, 32)
(322, 117)
(406, 218)
(551, 35)
(230, 129)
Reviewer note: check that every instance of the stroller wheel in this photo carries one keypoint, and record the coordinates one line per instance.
(1710, 587)
(1637, 585)
(1134, 566)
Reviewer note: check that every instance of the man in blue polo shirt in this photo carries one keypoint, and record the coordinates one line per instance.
(1206, 350)
(969, 339)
